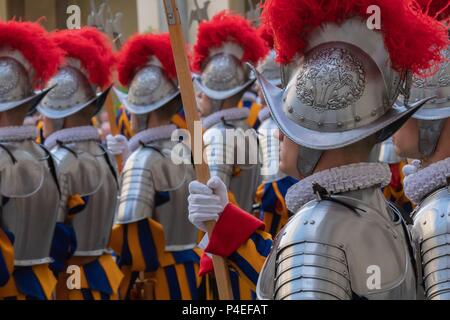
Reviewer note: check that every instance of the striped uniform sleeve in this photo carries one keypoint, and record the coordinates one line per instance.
(246, 247)
(6, 256)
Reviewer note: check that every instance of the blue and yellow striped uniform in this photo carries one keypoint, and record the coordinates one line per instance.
(141, 247)
(123, 123)
(6, 256)
(255, 108)
(100, 278)
(272, 206)
(394, 192)
(30, 283)
(22, 283)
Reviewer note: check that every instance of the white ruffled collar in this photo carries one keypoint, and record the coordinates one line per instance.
(338, 180)
(264, 114)
(69, 135)
(227, 115)
(151, 135)
(419, 185)
(18, 133)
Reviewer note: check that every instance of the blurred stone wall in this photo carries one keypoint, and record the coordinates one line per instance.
(139, 15)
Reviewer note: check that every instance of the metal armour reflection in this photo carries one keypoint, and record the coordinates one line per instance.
(88, 171)
(316, 257)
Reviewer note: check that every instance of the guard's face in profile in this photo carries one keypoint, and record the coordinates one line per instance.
(406, 140)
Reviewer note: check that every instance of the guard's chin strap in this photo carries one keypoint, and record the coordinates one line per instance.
(307, 160)
(429, 134)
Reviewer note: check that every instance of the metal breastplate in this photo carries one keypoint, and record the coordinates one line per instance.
(331, 250)
(431, 232)
(30, 201)
(87, 170)
(149, 171)
(270, 152)
(235, 163)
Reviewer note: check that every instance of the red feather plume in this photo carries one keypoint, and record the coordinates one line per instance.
(227, 27)
(103, 43)
(92, 49)
(438, 9)
(413, 39)
(266, 34)
(138, 50)
(33, 42)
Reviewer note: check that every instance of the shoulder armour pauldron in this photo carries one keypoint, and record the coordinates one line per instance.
(83, 170)
(328, 251)
(21, 174)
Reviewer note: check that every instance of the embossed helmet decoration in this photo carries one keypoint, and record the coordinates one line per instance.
(432, 116)
(342, 78)
(224, 45)
(437, 85)
(28, 58)
(85, 77)
(147, 67)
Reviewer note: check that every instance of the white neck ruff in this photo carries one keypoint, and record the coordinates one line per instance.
(19, 133)
(151, 135)
(424, 182)
(227, 115)
(77, 134)
(338, 180)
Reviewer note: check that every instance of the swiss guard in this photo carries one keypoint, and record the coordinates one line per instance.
(29, 187)
(88, 176)
(156, 244)
(224, 45)
(427, 184)
(270, 204)
(341, 87)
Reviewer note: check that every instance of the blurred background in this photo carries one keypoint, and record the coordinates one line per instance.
(138, 15)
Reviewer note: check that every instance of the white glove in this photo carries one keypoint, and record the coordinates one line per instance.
(206, 202)
(117, 145)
